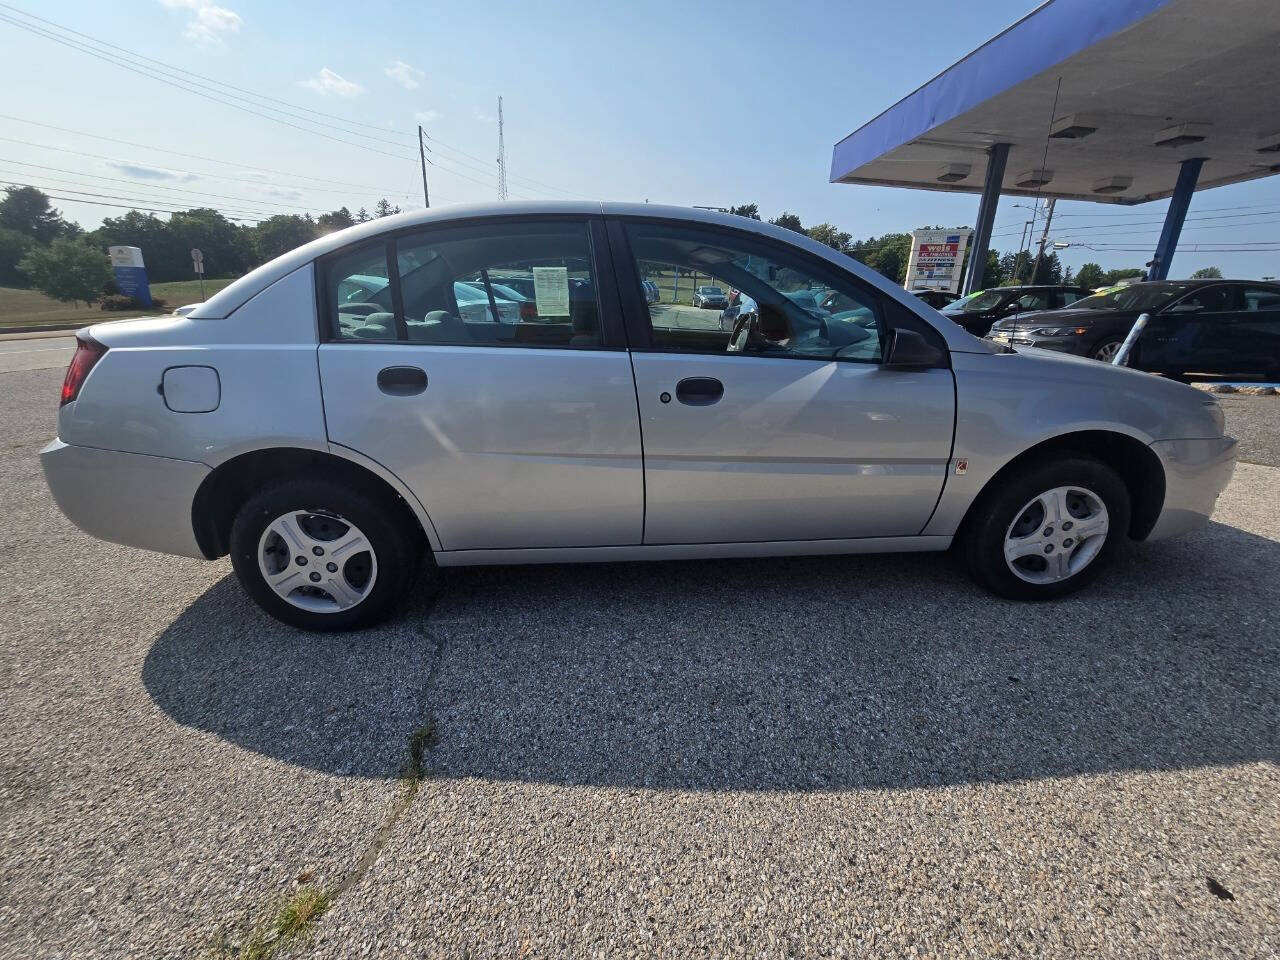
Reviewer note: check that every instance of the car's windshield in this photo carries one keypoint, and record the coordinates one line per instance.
(1139, 296)
(977, 302)
(711, 291)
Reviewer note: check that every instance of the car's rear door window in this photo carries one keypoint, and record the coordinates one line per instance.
(502, 283)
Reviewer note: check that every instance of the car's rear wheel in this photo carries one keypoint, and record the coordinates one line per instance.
(322, 556)
(1048, 530)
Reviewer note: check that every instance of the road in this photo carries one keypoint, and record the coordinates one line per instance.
(807, 757)
(36, 354)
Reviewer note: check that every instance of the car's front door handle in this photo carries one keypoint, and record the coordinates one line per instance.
(699, 391)
(402, 381)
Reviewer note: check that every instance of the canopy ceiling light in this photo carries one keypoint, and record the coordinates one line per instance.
(953, 172)
(1034, 178)
(1077, 126)
(1181, 134)
(1270, 143)
(1112, 184)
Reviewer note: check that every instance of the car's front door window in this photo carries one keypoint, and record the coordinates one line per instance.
(784, 304)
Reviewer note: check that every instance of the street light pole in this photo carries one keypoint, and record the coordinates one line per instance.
(422, 155)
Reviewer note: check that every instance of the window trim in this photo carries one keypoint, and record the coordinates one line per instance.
(636, 311)
(612, 333)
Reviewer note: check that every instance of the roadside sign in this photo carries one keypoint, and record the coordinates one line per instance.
(130, 273)
(935, 260)
(197, 259)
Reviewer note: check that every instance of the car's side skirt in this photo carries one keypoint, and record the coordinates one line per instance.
(692, 551)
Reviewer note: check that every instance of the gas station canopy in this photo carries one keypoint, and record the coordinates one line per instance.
(1145, 85)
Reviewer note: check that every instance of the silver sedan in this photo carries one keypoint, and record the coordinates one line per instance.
(339, 422)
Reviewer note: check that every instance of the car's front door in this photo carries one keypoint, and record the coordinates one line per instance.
(1190, 334)
(511, 416)
(787, 427)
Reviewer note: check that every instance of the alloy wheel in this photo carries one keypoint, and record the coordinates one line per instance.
(317, 561)
(1056, 535)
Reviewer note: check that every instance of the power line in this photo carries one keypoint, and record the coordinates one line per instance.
(190, 156)
(170, 68)
(177, 77)
(126, 206)
(155, 186)
(256, 214)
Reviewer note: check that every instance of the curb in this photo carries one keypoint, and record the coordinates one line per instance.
(1247, 389)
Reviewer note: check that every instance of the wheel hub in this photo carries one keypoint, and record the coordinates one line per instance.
(345, 567)
(1056, 535)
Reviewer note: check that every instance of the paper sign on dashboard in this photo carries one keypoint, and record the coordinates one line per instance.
(551, 290)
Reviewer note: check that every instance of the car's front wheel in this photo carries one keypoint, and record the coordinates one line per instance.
(1048, 530)
(323, 556)
(1106, 350)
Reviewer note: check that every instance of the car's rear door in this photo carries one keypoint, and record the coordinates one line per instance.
(515, 422)
(787, 427)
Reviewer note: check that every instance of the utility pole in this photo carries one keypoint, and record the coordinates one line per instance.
(422, 155)
(502, 158)
(1044, 238)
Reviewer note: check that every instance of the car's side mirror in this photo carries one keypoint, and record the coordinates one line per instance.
(907, 348)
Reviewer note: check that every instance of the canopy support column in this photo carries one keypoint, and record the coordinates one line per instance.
(997, 154)
(1178, 204)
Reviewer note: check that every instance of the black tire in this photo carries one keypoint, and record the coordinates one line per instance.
(1095, 351)
(393, 535)
(982, 538)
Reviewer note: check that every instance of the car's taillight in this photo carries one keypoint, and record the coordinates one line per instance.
(88, 352)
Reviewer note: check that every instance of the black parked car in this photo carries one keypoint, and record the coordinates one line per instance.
(937, 298)
(1205, 326)
(980, 309)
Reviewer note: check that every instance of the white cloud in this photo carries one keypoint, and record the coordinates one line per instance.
(141, 171)
(485, 117)
(209, 22)
(427, 116)
(326, 82)
(404, 74)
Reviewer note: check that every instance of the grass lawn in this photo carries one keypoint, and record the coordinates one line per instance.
(29, 310)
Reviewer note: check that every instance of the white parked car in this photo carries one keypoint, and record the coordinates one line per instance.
(367, 401)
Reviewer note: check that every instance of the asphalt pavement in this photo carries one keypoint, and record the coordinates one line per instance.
(860, 756)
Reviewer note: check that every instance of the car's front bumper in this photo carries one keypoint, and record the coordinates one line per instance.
(1195, 473)
(127, 498)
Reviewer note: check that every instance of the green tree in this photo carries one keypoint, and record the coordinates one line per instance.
(70, 268)
(887, 255)
(1207, 273)
(1124, 273)
(749, 210)
(362, 216)
(28, 211)
(282, 233)
(834, 238)
(14, 245)
(788, 220)
(228, 248)
(991, 270)
(1090, 276)
(338, 219)
(384, 208)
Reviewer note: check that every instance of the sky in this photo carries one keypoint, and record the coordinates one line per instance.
(710, 103)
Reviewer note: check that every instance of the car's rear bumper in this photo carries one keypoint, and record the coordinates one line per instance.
(1195, 472)
(127, 498)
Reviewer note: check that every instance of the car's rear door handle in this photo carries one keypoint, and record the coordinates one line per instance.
(402, 381)
(699, 391)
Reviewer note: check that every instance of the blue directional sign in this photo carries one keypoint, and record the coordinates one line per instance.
(131, 274)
